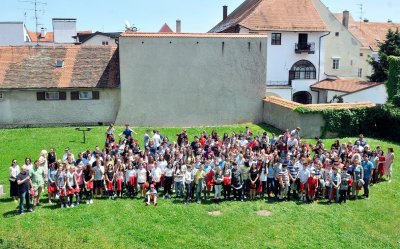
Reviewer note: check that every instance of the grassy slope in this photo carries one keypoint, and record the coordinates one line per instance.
(129, 224)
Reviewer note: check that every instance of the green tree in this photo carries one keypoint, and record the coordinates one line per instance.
(387, 48)
(393, 82)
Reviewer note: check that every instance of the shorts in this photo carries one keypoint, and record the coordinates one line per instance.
(151, 197)
(98, 184)
(70, 191)
(302, 186)
(52, 189)
(63, 193)
(90, 185)
(37, 190)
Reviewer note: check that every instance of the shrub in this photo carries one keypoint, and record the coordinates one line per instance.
(396, 100)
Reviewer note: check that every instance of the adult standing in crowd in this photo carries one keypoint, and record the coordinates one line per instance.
(389, 164)
(37, 177)
(14, 171)
(24, 184)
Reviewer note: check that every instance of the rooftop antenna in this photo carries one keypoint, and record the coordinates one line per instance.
(129, 27)
(361, 13)
(36, 4)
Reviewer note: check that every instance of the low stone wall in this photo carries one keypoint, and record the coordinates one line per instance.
(285, 118)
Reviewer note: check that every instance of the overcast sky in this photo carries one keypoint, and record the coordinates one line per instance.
(150, 15)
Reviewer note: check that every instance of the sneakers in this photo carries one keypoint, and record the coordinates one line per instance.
(91, 201)
(155, 204)
(163, 197)
(198, 202)
(31, 210)
(147, 203)
(77, 203)
(72, 205)
(62, 206)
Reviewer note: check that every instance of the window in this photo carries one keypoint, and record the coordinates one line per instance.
(336, 33)
(1, 95)
(360, 72)
(104, 43)
(85, 95)
(335, 64)
(302, 69)
(276, 38)
(52, 96)
(361, 54)
(59, 63)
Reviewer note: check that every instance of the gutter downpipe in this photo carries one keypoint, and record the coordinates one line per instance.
(319, 61)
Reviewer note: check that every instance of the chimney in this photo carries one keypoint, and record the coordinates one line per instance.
(178, 26)
(43, 32)
(225, 12)
(390, 21)
(345, 21)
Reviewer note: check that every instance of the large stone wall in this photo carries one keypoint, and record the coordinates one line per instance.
(188, 80)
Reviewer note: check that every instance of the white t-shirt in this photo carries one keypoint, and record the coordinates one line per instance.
(98, 173)
(179, 175)
(157, 140)
(304, 174)
(189, 177)
(156, 173)
(141, 175)
(129, 173)
(168, 172)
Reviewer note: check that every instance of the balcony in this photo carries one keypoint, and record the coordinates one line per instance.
(307, 47)
(278, 83)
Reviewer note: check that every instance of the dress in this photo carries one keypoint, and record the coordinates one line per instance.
(312, 184)
(388, 163)
(381, 164)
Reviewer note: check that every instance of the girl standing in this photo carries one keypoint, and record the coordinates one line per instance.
(253, 177)
(381, 165)
(168, 171)
(52, 188)
(130, 180)
(142, 178)
(61, 181)
(88, 174)
(109, 175)
(178, 180)
(218, 179)
(71, 185)
(189, 178)
(227, 174)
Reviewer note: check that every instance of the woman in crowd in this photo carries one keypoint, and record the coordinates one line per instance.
(381, 165)
(88, 179)
(389, 164)
(178, 180)
(227, 176)
(253, 177)
(14, 171)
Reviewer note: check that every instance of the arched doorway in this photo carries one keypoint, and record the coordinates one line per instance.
(302, 97)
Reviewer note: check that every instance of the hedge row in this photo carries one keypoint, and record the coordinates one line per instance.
(382, 121)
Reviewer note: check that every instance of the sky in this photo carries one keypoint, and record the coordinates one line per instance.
(150, 15)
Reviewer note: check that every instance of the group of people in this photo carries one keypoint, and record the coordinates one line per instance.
(240, 166)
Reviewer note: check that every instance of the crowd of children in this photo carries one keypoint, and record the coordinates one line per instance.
(239, 167)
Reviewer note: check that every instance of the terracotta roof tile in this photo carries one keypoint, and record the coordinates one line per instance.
(369, 33)
(344, 85)
(34, 37)
(271, 15)
(25, 67)
(191, 35)
(331, 106)
(165, 29)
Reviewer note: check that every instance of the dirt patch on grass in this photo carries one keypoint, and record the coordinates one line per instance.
(215, 213)
(264, 212)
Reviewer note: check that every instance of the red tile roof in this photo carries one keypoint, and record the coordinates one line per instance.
(191, 35)
(344, 85)
(330, 106)
(24, 67)
(165, 29)
(34, 37)
(369, 33)
(274, 15)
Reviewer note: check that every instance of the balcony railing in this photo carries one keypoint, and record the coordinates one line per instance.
(308, 47)
(277, 83)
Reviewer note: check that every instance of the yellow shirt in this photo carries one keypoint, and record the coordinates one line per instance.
(200, 174)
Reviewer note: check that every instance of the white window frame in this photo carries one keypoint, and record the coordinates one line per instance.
(52, 95)
(85, 95)
(335, 63)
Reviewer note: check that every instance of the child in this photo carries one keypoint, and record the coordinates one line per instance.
(88, 181)
(335, 183)
(142, 178)
(110, 181)
(52, 188)
(61, 181)
(80, 183)
(151, 196)
(168, 171)
(130, 180)
(312, 186)
(304, 174)
(218, 183)
(71, 185)
(284, 182)
(120, 183)
(189, 177)
(344, 185)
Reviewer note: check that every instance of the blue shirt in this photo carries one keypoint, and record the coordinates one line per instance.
(367, 168)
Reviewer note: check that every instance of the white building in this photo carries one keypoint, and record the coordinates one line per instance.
(296, 43)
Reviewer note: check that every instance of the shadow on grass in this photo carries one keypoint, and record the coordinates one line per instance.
(51, 206)
(10, 214)
(7, 199)
(269, 128)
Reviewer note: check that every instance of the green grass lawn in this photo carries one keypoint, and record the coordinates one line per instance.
(373, 223)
